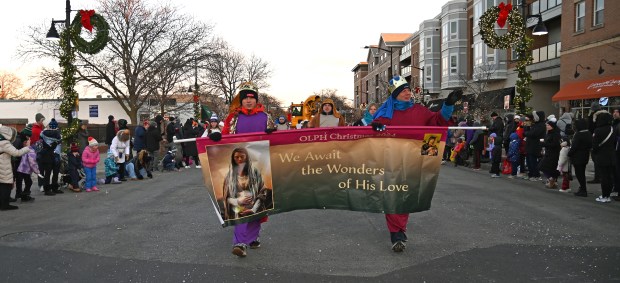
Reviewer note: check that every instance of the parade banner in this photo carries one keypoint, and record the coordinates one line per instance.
(249, 176)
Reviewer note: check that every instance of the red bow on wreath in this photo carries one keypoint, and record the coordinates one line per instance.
(504, 10)
(86, 14)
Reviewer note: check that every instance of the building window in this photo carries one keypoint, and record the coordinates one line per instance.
(580, 16)
(429, 44)
(599, 7)
(453, 65)
(454, 33)
(490, 3)
(477, 13)
(444, 66)
(429, 73)
(490, 55)
(478, 54)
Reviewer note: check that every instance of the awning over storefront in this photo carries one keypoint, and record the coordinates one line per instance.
(604, 87)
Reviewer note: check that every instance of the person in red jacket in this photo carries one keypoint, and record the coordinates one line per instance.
(400, 110)
(37, 128)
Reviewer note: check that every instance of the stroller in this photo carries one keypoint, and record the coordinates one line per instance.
(65, 176)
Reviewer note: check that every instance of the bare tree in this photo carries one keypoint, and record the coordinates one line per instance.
(477, 85)
(229, 68)
(11, 86)
(148, 46)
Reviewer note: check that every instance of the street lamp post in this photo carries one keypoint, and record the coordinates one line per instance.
(389, 68)
(422, 76)
(196, 97)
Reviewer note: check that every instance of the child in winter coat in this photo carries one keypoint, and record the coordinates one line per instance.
(169, 162)
(514, 154)
(563, 165)
(27, 166)
(142, 164)
(456, 152)
(75, 164)
(7, 150)
(111, 169)
(90, 158)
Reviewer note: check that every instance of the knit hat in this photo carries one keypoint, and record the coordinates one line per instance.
(551, 123)
(551, 117)
(214, 118)
(396, 85)
(53, 124)
(110, 118)
(517, 117)
(74, 148)
(39, 117)
(595, 106)
(122, 124)
(27, 131)
(83, 122)
(494, 114)
(248, 89)
(92, 141)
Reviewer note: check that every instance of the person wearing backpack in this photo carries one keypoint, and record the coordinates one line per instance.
(565, 125)
(49, 158)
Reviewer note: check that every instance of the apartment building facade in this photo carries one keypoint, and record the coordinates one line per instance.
(581, 34)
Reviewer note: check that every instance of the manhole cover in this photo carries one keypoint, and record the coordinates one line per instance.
(23, 236)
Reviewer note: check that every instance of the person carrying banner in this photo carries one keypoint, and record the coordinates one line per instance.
(368, 114)
(400, 110)
(328, 117)
(249, 117)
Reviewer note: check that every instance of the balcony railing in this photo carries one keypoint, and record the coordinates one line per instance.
(548, 52)
(405, 71)
(543, 5)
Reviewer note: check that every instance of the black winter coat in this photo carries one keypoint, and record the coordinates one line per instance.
(579, 152)
(189, 148)
(153, 137)
(533, 135)
(110, 132)
(603, 149)
(552, 146)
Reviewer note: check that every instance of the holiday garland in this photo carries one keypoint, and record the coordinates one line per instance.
(524, 93)
(487, 28)
(67, 85)
(101, 37)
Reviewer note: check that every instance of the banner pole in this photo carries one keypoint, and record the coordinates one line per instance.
(449, 128)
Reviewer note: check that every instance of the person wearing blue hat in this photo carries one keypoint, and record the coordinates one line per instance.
(400, 110)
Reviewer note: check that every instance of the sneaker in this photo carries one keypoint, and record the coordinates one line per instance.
(495, 176)
(603, 199)
(88, 190)
(255, 244)
(239, 250)
(476, 169)
(564, 191)
(115, 180)
(398, 247)
(187, 167)
(95, 189)
(41, 189)
(443, 162)
(540, 179)
(511, 177)
(198, 166)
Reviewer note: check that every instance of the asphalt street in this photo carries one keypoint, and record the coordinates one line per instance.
(479, 229)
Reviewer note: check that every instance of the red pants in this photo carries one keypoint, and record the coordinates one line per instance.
(397, 222)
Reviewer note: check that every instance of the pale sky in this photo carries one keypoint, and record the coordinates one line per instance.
(310, 45)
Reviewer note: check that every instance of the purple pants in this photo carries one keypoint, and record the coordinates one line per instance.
(246, 233)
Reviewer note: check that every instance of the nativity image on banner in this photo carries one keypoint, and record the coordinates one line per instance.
(249, 176)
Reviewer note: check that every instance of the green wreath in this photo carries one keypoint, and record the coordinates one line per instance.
(100, 40)
(487, 29)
